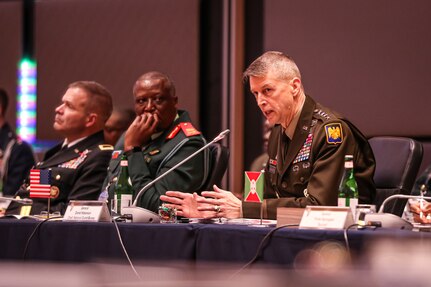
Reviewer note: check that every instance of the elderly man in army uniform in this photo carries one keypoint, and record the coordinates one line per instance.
(306, 150)
(160, 137)
(78, 164)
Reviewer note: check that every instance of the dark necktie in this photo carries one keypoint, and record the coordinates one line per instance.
(285, 141)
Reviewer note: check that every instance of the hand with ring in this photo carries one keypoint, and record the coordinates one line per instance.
(217, 208)
(186, 205)
(223, 202)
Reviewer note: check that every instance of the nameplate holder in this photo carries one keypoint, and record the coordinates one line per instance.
(326, 217)
(87, 211)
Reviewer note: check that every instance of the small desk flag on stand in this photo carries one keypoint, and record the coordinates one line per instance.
(40, 183)
(253, 186)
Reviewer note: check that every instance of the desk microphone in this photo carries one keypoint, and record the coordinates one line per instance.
(140, 214)
(389, 220)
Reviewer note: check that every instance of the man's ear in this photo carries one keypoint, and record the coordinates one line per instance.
(295, 84)
(91, 119)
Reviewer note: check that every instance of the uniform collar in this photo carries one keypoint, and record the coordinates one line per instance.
(156, 135)
(292, 126)
(68, 145)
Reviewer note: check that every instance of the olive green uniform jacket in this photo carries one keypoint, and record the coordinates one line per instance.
(308, 169)
(162, 153)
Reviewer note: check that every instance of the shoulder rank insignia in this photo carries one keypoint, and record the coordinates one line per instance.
(334, 133)
(106, 147)
(189, 130)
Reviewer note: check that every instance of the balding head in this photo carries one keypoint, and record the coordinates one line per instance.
(168, 86)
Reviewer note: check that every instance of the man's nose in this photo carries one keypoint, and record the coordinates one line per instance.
(150, 104)
(260, 100)
(59, 109)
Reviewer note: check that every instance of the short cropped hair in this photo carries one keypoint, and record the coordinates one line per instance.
(99, 98)
(282, 65)
(4, 102)
(168, 85)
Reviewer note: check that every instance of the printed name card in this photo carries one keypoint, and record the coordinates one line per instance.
(87, 210)
(326, 217)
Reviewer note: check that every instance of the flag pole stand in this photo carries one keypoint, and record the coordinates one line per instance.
(49, 207)
(261, 213)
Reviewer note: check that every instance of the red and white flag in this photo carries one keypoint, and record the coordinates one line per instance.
(40, 183)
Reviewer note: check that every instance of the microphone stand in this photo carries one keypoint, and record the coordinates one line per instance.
(389, 220)
(140, 214)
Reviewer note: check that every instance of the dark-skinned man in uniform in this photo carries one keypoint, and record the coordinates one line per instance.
(79, 163)
(306, 150)
(159, 137)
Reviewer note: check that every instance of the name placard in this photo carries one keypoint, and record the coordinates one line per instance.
(326, 217)
(87, 210)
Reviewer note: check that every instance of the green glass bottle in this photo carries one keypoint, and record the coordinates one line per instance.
(123, 191)
(348, 190)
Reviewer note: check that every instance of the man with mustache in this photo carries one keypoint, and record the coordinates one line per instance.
(159, 137)
(306, 150)
(78, 164)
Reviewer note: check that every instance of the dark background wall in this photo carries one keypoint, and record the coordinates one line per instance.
(366, 59)
(10, 50)
(369, 60)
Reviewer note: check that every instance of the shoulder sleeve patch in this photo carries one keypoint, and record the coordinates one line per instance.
(334, 133)
(106, 147)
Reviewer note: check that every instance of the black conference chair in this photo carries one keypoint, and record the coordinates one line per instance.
(219, 162)
(398, 160)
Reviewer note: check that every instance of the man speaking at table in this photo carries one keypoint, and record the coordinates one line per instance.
(160, 137)
(306, 158)
(78, 164)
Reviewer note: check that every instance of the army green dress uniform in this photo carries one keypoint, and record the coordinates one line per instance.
(77, 173)
(163, 152)
(307, 169)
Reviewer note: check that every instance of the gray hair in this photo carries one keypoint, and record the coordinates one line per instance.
(280, 64)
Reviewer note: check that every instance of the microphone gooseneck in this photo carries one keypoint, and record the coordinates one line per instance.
(404, 196)
(148, 185)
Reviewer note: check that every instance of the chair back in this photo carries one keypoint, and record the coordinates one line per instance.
(219, 162)
(398, 160)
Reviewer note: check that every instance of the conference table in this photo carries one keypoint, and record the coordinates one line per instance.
(186, 242)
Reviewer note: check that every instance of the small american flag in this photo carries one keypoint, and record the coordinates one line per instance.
(40, 183)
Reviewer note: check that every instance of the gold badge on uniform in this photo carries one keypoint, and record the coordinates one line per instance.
(106, 147)
(154, 152)
(334, 133)
(55, 191)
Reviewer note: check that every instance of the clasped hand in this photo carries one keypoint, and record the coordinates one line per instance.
(141, 130)
(211, 204)
(421, 211)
